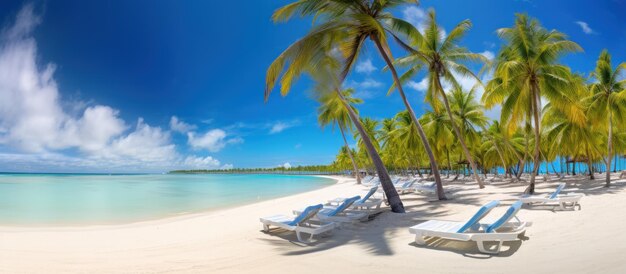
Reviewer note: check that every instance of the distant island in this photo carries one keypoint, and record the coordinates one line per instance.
(298, 170)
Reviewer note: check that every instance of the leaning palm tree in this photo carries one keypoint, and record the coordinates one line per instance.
(442, 58)
(333, 111)
(526, 71)
(345, 25)
(608, 101)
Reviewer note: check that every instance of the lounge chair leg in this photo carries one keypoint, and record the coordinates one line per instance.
(419, 239)
(483, 249)
(299, 236)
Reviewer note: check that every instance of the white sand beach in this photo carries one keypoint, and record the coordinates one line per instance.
(589, 240)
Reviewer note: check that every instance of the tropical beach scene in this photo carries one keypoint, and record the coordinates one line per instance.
(307, 136)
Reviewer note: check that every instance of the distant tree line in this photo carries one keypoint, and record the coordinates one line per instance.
(297, 170)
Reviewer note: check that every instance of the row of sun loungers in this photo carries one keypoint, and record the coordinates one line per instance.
(322, 219)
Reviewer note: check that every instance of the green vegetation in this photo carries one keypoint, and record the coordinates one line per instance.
(312, 170)
(547, 111)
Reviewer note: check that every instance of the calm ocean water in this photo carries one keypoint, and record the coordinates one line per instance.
(64, 199)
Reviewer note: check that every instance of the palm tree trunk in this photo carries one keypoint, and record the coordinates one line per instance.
(497, 150)
(468, 156)
(537, 118)
(449, 165)
(419, 167)
(610, 150)
(420, 131)
(385, 181)
(356, 168)
(589, 164)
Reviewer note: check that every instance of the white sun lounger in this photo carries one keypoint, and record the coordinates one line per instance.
(500, 231)
(367, 203)
(300, 224)
(563, 201)
(427, 188)
(340, 214)
(405, 187)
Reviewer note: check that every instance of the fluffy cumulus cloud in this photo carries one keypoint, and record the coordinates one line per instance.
(286, 165)
(180, 126)
(365, 66)
(585, 27)
(213, 140)
(31, 115)
(422, 85)
(38, 127)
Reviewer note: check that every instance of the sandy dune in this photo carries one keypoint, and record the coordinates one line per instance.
(590, 240)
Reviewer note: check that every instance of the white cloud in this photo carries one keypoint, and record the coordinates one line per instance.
(180, 126)
(367, 83)
(488, 54)
(280, 126)
(31, 114)
(146, 143)
(40, 131)
(195, 162)
(213, 140)
(416, 16)
(365, 66)
(364, 88)
(286, 165)
(585, 27)
(370, 83)
(422, 85)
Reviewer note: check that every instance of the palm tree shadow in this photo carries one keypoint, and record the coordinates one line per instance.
(373, 235)
(469, 249)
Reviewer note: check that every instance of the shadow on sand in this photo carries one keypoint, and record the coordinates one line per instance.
(373, 235)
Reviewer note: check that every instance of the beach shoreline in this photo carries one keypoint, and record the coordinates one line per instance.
(155, 219)
(231, 241)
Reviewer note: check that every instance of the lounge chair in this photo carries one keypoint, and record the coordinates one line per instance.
(427, 188)
(300, 224)
(406, 186)
(499, 231)
(368, 202)
(340, 214)
(373, 182)
(563, 201)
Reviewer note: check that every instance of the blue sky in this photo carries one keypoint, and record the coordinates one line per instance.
(132, 86)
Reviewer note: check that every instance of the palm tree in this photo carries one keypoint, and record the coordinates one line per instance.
(406, 133)
(442, 56)
(526, 71)
(332, 111)
(576, 140)
(370, 132)
(608, 101)
(390, 149)
(345, 25)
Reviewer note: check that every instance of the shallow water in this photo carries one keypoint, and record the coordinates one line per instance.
(62, 199)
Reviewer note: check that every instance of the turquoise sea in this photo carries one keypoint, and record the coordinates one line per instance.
(70, 199)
